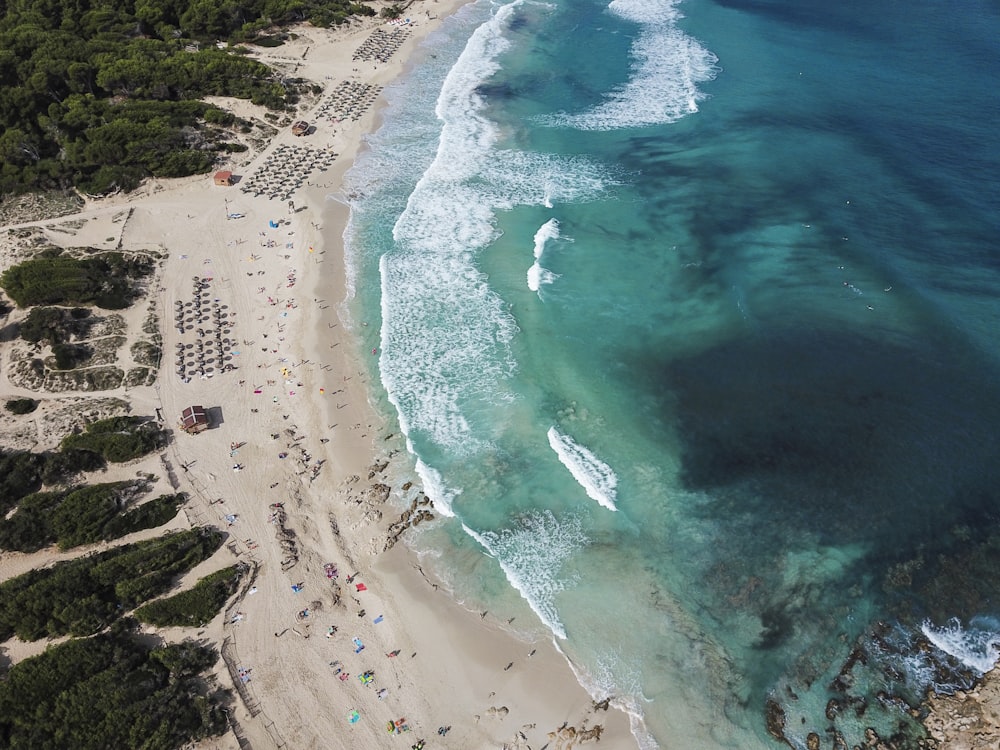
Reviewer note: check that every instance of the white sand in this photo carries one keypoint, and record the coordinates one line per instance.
(450, 669)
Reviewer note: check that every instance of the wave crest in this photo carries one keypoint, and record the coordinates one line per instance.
(667, 67)
(532, 556)
(975, 648)
(597, 478)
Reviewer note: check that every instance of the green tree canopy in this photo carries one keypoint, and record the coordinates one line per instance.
(110, 691)
(54, 278)
(82, 596)
(100, 95)
(195, 607)
(117, 439)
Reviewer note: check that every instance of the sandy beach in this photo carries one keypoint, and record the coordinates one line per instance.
(251, 298)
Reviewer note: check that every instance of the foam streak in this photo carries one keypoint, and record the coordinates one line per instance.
(532, 556)
(975, 648)
(667, 66)
(536, 274)
(597, 478)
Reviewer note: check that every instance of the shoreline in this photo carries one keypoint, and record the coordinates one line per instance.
(467, 637)
(306, 485)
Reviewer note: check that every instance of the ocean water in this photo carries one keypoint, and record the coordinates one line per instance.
(688, 312)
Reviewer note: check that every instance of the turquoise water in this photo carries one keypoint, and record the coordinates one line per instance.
(687, 313)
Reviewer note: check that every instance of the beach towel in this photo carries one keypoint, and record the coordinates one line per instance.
(361, 587)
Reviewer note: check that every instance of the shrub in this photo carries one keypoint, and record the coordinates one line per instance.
(21, 405)
(117, 439)
(20, 475)
(54, 325)
(103, 280)
(85, 515)
(81, 596)
(110, 691)
(146, 353)
(68, 462)
(68, 356)
(219, 116)
(195, 607)
(29, 529)
(149, 515)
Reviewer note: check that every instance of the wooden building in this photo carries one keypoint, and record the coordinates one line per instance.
(194, 419)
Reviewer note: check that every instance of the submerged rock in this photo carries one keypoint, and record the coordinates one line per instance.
(775, 718)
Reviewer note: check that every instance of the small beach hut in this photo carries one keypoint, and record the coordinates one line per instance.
(194, 419)
(224, 178)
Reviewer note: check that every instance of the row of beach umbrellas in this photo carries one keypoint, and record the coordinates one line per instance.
(285, 170)
(213, 347)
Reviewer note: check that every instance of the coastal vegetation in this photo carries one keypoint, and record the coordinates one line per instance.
(55, 325)
(99, 96)
(82, 596)
(114, 439)
(84, 515)
(196, 606)
(110, 690)
(107, 280)
(20, 475)
(21, 406)
(117, 439)
(62, 466)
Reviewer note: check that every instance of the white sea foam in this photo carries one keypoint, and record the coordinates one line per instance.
(537, 275)
(547, 231)
(667, 67)
(532, 556)
(434, 487)
(446, 334)
(597, 478)
(624, 683)
(976, 648)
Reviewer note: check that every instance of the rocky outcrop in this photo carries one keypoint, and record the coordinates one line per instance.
(967, 720)
(417, 513)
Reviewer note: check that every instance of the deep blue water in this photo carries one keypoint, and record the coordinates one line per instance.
(687, 312)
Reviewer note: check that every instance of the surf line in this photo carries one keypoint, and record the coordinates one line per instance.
(597, 478)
